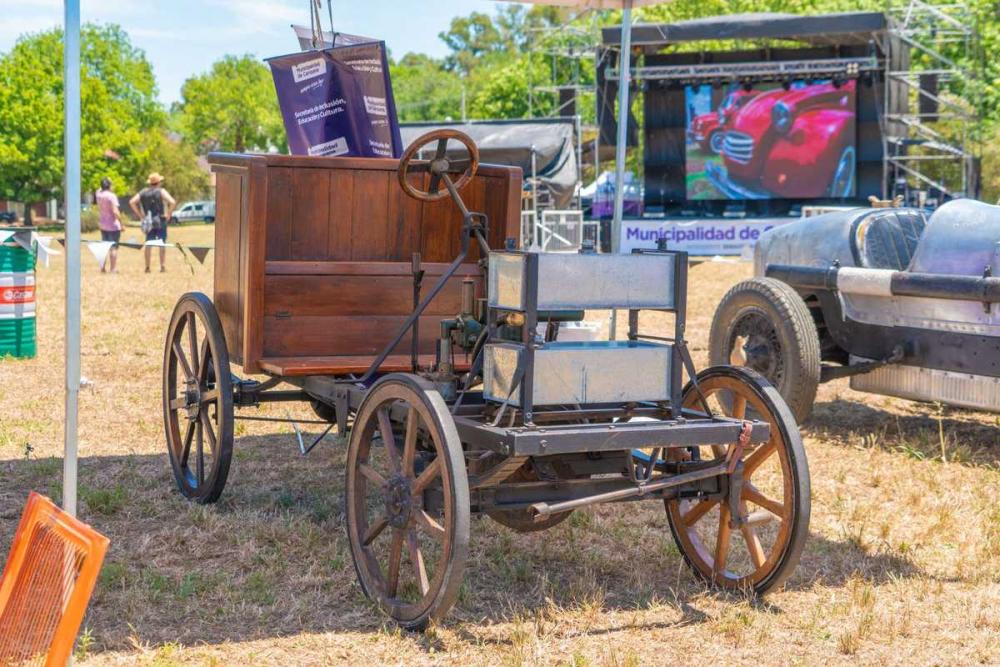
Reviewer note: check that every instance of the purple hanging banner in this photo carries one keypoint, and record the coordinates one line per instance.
(338, 102)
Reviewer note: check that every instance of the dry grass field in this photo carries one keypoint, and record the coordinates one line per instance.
(902, 565)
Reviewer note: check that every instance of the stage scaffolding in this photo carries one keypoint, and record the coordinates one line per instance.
(933, 141)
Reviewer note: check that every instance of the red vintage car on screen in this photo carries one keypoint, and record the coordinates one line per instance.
(797, 143)
(708, 129)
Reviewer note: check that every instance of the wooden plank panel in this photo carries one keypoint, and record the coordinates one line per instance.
(254, 259)
(279, 213)
(363, 269)
(228, 217)
(404, 220)
(344, 365)
(354, 295)
(369, 221)
(341, 214)
(329, 336)
(310, 214)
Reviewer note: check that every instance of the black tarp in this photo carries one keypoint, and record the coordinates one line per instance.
(839, 28)
(510, 142)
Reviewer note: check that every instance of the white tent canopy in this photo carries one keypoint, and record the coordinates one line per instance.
(624, 71)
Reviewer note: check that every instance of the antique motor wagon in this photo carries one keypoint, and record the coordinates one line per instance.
(903, 305)
(386, 293)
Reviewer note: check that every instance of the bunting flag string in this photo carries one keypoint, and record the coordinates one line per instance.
(101, 249)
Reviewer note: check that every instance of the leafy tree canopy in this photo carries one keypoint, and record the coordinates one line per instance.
(232, 107)
(118, 108)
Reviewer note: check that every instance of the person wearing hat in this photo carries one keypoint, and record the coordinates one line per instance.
(154, 206)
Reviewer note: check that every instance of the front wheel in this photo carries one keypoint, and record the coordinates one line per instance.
(407, 503)
(716, 141)
(842, 183)
(765, 325)
(764, 549)
(197, 399)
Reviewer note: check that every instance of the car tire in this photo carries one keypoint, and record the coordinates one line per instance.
(174, 221)
(715, 141)
(842, 181)
(209, 220)
(765, 325)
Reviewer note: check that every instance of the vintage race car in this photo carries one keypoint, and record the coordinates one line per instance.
(708, 129)
(797, 143)
(904, 305)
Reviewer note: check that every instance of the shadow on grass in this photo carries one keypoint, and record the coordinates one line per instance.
(971, 438)
(271, 559)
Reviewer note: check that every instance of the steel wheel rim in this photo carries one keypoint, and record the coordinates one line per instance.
(715, 143)
(688, 515)
(195, 403)
(375, 579)
(843, 176)
(754, 342)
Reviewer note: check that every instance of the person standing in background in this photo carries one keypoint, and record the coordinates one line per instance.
(154, 206)
(109, 220)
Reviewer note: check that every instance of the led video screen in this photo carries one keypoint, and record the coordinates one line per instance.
(773, 141)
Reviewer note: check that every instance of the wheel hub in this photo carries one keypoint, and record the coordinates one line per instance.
(192, 400)
(440, 166)
(398, 497)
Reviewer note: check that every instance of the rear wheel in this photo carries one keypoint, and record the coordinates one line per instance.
(197, 408)
(765, 325)
(407, 501)
(763, 549)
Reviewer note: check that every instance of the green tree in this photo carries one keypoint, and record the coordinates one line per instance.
(232, 107)
(118, 106)
(424, 89)
(187, 177)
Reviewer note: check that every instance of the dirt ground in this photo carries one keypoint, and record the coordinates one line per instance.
(902, 565)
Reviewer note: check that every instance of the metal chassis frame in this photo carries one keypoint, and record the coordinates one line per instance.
(550, 434)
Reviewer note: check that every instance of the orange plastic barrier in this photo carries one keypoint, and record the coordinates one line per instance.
(46, 585)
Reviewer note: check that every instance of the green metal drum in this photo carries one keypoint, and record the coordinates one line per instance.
(17, 297)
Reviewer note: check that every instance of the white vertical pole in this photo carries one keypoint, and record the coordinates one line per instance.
(71, 78)
(624, 75)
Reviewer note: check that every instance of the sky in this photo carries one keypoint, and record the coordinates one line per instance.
(184, 37)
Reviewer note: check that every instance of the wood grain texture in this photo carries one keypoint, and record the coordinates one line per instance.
(303, 366)
(326, 243)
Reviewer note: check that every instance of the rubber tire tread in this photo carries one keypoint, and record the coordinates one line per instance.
(796, 332)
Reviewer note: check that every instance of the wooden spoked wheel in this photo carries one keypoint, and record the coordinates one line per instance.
(198, 399)
(440, 166)
(761, 551)
(407, 500)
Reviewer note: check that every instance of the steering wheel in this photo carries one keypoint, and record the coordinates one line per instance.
(440, 166)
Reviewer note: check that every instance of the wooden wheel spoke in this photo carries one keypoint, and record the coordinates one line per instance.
(178, 403)
(753, 541)
(417, 560)
(371, 475)
(192, 329)
(388, 438)
(442, 149)
(410, 440)
(182, 358)
(754, 495)
(205, 360)
(435, 184)
(188, 439)
(430, 473)
(210, 396)
(200, 453)
(761, 454)
(430, 525)
(395, 558)
(739, 407)
(419, 167)
(213, 442)
(699, 510)
(722, 542)
(375, 530)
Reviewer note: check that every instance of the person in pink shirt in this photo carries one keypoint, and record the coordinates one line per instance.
(110, 220)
